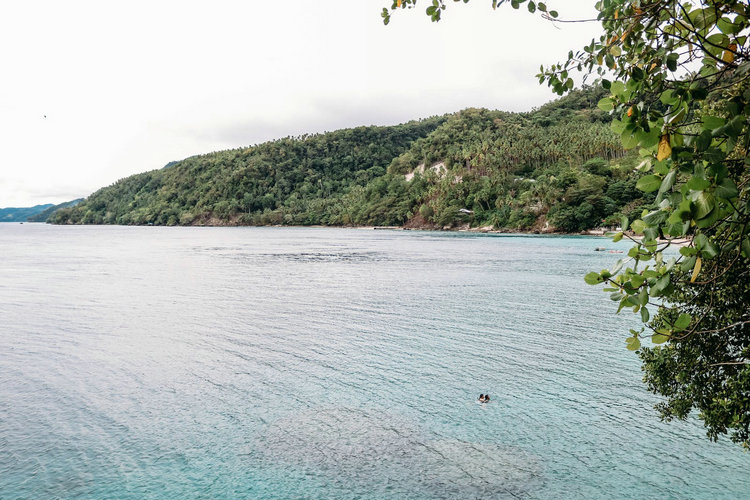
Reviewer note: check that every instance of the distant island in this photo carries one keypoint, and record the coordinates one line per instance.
(559, 168)
(37, 213)
(22, 214)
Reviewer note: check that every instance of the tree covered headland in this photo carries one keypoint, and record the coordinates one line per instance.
(559, 167)
(45, 214)
(677, 74)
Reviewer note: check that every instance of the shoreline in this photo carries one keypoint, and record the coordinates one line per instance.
(597, 233)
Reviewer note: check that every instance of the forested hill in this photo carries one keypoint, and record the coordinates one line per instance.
(45, 214)
(275, 180)
(556, 168)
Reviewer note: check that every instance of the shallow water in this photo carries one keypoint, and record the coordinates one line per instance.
(148, 362)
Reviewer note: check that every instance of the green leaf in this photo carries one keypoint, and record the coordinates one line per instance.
(728, 27)
(655, 218)
(683, 321)
(677, 115)
(719, 171)
(606, 104)
(703, 141)
(629, 140)
(659, 338)
(617, 126)
(727, 189)
(669, 98)
(667, 182)
(632, 343)
(637, 226)
(688, 264)
(687, 251)
(618, 89)
(624, 302)
(650, 234)
(709, 219)
(593, 278)
(712, 122)
(698, 184)
(660, 285)
(649, 139)
(643, 297)
(700, 241)
(704, 204)
(746, 247)
(636, 280)
(672, 62)
(617, 267)
(644, 315)
(617, 237)
(648, 183)
(709, 250)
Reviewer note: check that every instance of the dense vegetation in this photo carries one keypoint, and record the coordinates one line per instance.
(47, 212)
(558, 167)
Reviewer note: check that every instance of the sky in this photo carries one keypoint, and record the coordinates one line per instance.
(92, 91)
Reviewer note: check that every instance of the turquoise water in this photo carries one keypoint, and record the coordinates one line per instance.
(146, 362)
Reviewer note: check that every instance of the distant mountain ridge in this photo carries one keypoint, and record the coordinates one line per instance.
(37, 213)
(557, 168)
(21, 214)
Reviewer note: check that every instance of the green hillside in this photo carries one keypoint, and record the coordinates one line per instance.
(556, 168)
(45, 214)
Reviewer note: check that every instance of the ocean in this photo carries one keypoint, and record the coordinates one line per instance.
(171, 362)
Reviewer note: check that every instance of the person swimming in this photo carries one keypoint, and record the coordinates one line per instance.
(481, 398)
(486, 398)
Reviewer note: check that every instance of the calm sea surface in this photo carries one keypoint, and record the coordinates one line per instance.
(148, 362)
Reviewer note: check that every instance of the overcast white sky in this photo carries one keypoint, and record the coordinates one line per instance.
(127, 87)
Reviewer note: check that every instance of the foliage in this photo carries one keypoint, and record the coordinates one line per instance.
(678, 77)
(680, 93)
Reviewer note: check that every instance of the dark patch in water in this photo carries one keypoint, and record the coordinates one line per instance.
(311, 257)
(381, 453)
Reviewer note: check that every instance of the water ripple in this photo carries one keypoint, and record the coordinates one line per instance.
(321, 363)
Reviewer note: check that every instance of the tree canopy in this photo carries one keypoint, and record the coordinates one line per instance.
(677, 74)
